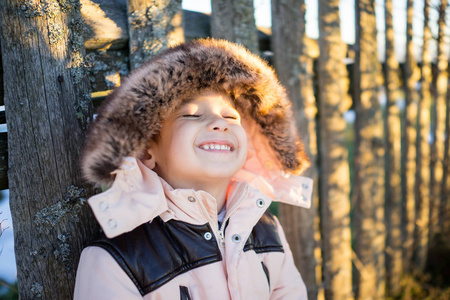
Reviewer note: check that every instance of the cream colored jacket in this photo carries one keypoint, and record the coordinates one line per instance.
(138, 195)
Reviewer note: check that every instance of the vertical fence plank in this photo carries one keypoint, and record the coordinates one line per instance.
(368, 184)
(288, 29)
(444, 205)
(335, 179)
(412, 75)
(392, 159)
(235, 21)
(438, 127)
(422, 188)
(3, 136)
(153, 26)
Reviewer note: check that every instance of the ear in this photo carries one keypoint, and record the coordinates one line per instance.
(149, 158)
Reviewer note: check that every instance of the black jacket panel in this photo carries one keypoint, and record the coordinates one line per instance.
(156, 252)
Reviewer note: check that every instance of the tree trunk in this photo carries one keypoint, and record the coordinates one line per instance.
(288, 28)
(438, 127)
(392, 160)
(153, 26)
(368, 191)
(3, 135)
(412, 75)
(422, 187)
(335, 178)
(2, 89)
(48, 109)
(234, 20)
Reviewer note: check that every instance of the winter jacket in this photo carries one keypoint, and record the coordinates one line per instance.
(183, 252)
(247, 257)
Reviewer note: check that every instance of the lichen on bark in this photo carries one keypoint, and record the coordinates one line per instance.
(37, 290)
(55, 33)
(50, 216)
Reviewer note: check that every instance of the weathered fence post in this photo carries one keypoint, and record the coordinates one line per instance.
(409, 134)
(48, 108)
(368, 187)
(288, 30)
(392, 159)
(3, 135)
(438, 127)
(422, 188)
(444, 205)
(235, 21)
(335, 177)
(153, 26)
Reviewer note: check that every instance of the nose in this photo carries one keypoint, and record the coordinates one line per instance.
(218, 123)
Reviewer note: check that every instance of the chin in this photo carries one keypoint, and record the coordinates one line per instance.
(221, 174)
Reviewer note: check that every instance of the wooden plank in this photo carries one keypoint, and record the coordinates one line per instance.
(153, 27)
(294, 70)
(235, 21)
(106, 24)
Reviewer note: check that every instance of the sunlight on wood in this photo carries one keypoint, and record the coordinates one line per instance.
(102, 31)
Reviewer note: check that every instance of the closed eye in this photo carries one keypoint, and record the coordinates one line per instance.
(191, 116)
(231, 117)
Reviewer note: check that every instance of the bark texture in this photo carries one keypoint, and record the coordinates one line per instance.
(3, 135)
(409, 134)
(48, 109)
(335, 179)
(392, 160)
(422, 188)
(2, 90)
(438, 127)
(368, 192)
(234, 20)
(294, 69)
(153, 26)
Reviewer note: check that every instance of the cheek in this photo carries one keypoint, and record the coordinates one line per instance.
(181, 141)
(242, 138)
(243, 145)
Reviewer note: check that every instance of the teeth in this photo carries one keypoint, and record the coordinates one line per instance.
(216, 147)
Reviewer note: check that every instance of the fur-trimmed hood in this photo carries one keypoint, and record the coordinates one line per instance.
(131, 115)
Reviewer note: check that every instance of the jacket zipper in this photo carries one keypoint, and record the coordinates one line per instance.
(222, 227)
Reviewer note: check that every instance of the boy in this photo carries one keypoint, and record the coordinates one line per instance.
(196, 143)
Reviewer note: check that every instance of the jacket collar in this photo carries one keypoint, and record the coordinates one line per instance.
(138, 195)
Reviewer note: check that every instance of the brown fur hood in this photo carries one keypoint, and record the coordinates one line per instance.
(133, 113)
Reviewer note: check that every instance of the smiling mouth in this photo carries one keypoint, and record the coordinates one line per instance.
(216, 147)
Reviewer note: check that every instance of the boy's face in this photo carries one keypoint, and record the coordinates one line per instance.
(202, 143)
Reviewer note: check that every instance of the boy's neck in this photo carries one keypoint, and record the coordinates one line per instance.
(218, 189)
